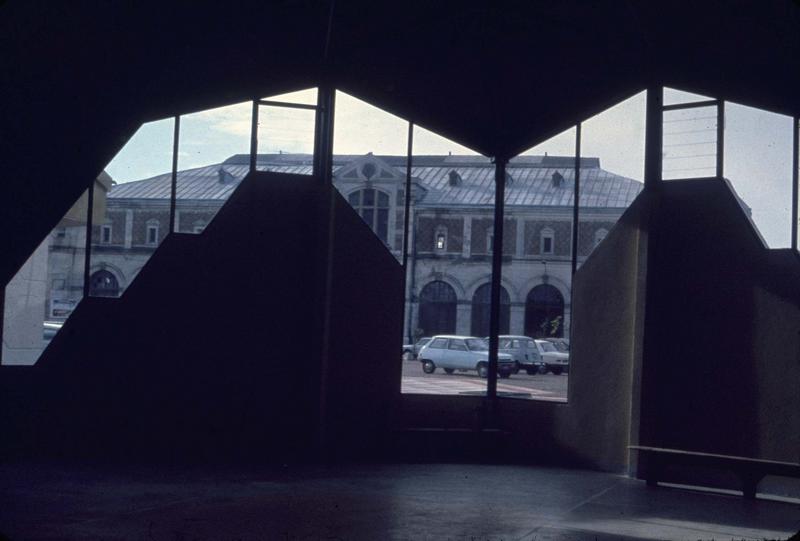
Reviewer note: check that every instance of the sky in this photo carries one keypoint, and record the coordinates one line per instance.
(758, 144)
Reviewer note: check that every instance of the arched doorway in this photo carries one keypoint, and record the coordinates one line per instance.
(103, 284)
(481, 305)
(544, 312)
(437, 309)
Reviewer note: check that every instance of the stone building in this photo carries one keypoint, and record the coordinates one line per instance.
(451, 238)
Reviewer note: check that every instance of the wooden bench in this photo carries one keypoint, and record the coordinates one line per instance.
(749, 470)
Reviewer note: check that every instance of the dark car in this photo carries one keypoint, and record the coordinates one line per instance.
(411, 351)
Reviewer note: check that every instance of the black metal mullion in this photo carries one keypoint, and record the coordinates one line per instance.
(654, 134)
(87, 256)
(497, 269)
(690, 105)
(406, 224)
(720, 138)
(323, 134)
(576, 199)
(173, 194)
(254, 136)
(287, 104)
(795, 188)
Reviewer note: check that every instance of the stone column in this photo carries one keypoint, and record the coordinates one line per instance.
(517, 323)
(520, 251)
(466, 249)
(463, 317)
(128, 228)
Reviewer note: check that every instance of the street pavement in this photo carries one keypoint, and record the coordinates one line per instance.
(538, 387)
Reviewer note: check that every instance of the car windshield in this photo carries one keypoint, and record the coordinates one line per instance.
(548, 347)
(561, 346)
(476, 344)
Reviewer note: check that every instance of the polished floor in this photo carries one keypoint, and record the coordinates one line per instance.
(374, 502)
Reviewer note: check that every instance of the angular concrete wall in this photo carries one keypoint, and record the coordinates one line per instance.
(214, 351)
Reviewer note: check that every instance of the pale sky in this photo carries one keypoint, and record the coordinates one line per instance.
(758, 145)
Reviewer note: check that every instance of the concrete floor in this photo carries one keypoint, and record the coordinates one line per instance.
(404, 502)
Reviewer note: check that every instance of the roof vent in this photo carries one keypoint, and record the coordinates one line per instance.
(455, 178)
(558, 180)
(224, 176)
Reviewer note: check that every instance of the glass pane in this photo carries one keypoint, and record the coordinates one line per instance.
(285, 140)
(673, 96)
(537, 265)
(148, 153)
(612, 144)
(213, 158)
(690, 143)
(452, 198)
(137, 202)
(758, 163)
(48, 286)
(370, 147)
(304, 97)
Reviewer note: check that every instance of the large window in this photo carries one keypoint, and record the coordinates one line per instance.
(373, 206)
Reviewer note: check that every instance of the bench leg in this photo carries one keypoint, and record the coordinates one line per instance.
(653, 471)
(750, 482)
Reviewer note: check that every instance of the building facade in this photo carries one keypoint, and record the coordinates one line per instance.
(450, 227)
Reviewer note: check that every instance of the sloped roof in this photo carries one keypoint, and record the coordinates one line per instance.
(531, 180)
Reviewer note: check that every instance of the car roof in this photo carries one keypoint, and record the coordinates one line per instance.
(460, 337)
(515, 336)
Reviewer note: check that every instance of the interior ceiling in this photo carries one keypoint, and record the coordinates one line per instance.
(495, 76)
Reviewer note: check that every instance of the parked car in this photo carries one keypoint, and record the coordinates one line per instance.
(411, 351)
(561, 344)
(554, 360)
(462, 353)
(525, 353)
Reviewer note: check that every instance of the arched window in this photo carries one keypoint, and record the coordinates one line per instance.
(437, 309)
(547, 241)
(373, 207)
(481, 305)
(103, 284)
(599, 235)
(544, 312)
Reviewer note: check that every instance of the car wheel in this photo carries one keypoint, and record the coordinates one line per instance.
(428, 367)
(557, 371)
(449, 370)
(483, 370)
(517, 367)
(532, 371)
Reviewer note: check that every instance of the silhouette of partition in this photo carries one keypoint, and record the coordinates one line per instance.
(214, 352)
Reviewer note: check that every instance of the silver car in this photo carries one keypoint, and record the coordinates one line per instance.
(462, 353)
(524, 352)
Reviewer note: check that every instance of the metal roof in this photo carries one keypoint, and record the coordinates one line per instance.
(530, 183)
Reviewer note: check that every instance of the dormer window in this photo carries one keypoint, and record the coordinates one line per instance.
(558, 180)
(454, 179)
(440, 239)
(546, 241)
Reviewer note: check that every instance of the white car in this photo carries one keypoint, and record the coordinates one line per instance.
(554, 360)
(462, 353)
